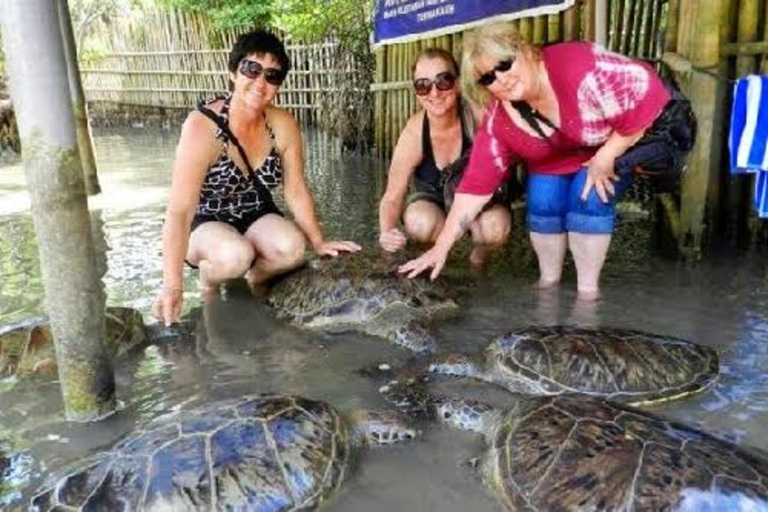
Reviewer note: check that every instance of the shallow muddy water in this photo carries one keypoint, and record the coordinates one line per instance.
(240, 348)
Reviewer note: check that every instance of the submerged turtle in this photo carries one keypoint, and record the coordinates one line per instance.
(622, 365)
(26, 347)
(359, 292)
(269, 452)
(580, 453)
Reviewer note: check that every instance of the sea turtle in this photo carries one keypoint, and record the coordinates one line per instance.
(364, 293)
(622, 365)
(26, 347)
(267, 452)
(574, 453)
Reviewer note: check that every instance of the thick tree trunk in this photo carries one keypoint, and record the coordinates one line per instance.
(84, 141)
(73, 290)
(9, 134)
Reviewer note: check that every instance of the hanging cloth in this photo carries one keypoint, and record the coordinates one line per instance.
(748, 138)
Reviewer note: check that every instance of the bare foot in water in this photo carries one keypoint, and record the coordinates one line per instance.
(546, 284)
(478, 259)
(584, 312)
(258, 288)
(208, 291)
(588, 295)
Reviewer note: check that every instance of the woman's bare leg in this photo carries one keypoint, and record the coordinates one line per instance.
(423, 221)
(220, 252)
(489, 231)
(279, 246)
(589, 252)
(550, 251)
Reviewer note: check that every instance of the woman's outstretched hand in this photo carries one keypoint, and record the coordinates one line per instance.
(334, 247)
(433, 258)
(167, 306)
(392, 240)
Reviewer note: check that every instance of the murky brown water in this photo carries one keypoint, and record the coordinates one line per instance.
(722, 302)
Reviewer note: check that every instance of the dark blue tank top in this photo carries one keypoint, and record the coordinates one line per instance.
(428, 177)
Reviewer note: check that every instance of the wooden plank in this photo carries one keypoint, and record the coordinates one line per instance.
(755, 48)
(589, 20)
(706, 92)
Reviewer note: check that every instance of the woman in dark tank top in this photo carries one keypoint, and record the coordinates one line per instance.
(429, 157)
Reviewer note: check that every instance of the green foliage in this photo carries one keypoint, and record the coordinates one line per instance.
(312, 20)
(226, 14)
(308, 20)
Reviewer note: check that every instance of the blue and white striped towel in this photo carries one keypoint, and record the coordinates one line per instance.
(748, 139)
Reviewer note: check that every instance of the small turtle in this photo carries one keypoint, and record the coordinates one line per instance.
(267, 452)
(363, 293)
(574, 453)
(26, 347)
(622, 365)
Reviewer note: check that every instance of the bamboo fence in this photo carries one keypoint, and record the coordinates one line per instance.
(164, 59)
(708, 47)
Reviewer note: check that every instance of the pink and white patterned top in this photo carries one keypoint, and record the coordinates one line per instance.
(598, 92)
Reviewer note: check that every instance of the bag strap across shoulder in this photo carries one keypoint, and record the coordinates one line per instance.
(224, 127)
(532, 117)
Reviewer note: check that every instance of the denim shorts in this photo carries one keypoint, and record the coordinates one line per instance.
(555, 205)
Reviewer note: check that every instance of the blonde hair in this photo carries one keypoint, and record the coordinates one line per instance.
(495, 41)
(436, 53)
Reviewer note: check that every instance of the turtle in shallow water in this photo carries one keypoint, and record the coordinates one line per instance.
(26, 347)
(364, 293)
(622, 365)
(268, 452)
(576, 453)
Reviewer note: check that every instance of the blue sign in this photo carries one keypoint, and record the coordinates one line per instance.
(399, 21)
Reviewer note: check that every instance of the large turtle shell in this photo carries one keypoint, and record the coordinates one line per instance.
(351, 290)
(257, 453)
(360, 292)
(622, 365)
(575, 453)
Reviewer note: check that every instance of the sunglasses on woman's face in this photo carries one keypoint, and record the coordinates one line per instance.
(252, 69)
(443, 82)
(488, 78)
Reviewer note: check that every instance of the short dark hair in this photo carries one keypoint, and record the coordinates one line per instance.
(259, 42)
(437, 53)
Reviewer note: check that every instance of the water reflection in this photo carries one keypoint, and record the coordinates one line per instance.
(240, 348)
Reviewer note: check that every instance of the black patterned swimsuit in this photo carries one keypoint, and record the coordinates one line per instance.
(232, 196)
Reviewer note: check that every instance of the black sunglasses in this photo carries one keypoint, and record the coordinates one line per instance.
(443, 82)
(488, 78)
(252, 69)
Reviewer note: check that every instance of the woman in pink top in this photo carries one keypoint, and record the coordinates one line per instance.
(566, 111)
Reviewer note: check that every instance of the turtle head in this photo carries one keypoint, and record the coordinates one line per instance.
(382, 427)
(470, 415)
(456, 365)
(413, 398)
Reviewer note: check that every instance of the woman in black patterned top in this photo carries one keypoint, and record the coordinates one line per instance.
(221, 217)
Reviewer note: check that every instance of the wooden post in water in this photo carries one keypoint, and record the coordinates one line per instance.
(84, 141)
(701, 47)
(73, 291)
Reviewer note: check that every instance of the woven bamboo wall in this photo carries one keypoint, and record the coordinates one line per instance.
(172, 59)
